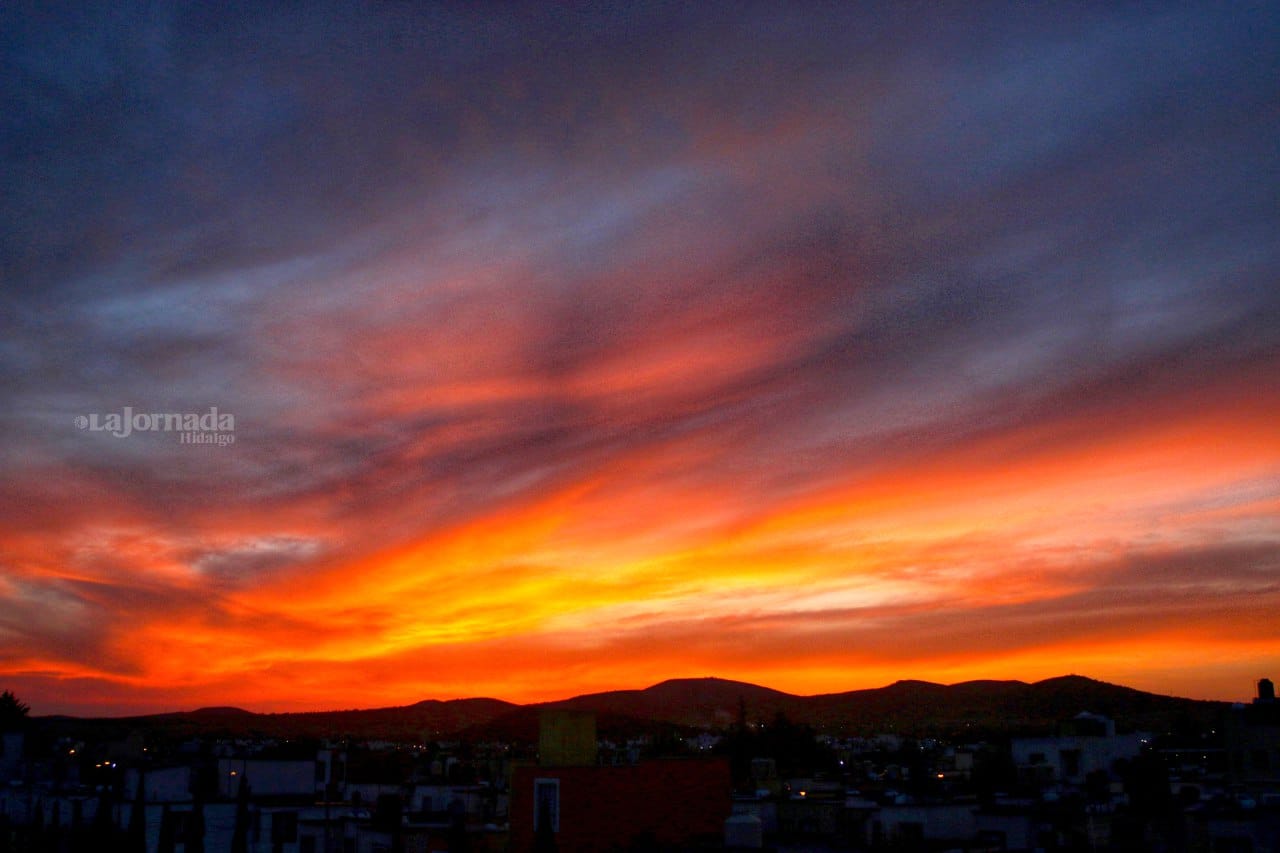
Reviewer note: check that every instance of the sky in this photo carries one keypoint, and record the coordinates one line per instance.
(573, 348)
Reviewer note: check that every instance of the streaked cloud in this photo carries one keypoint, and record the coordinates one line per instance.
(568, 350)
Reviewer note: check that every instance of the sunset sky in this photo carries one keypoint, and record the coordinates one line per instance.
(813, 345)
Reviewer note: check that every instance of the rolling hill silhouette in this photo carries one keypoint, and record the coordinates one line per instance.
(911, 707)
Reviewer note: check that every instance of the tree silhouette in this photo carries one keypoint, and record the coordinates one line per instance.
(13, 711)
(793, 747)
(1150, 809)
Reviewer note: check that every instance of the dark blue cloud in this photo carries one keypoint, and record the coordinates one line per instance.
(918, 226)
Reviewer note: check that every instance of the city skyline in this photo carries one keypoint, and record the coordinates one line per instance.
(455, 353)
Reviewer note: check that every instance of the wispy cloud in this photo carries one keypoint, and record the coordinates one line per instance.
(568, 349)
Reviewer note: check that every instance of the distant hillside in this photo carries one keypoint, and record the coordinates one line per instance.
(905, 706)
(698, 702)
(219, 711)
(428, 720)
(1002, 705)
(521, 726)
(980, 708)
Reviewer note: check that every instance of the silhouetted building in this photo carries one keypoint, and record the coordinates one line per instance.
(744, 832)
(566, 738)
(589, 808)
(12, 746)
(1088, 743)
(1253, 740)
(270, 777)
(912, 826)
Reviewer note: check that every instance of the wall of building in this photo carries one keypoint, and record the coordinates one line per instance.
(11, 755)
(1253, 744)
(937, 822)
(267, 778)
(567, 738)
(163, 784)
(1071, 759)
(608, 807)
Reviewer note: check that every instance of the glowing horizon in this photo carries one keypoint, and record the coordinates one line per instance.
(815, 348)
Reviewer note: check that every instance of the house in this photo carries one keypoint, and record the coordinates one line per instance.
(1253, 741)
(161, 784)
(588, 807)
(1088, 743)
(12, 745)
(920, 823)
(271, 777)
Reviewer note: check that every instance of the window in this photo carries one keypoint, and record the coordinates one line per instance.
(546, 803)
(1070, 763)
